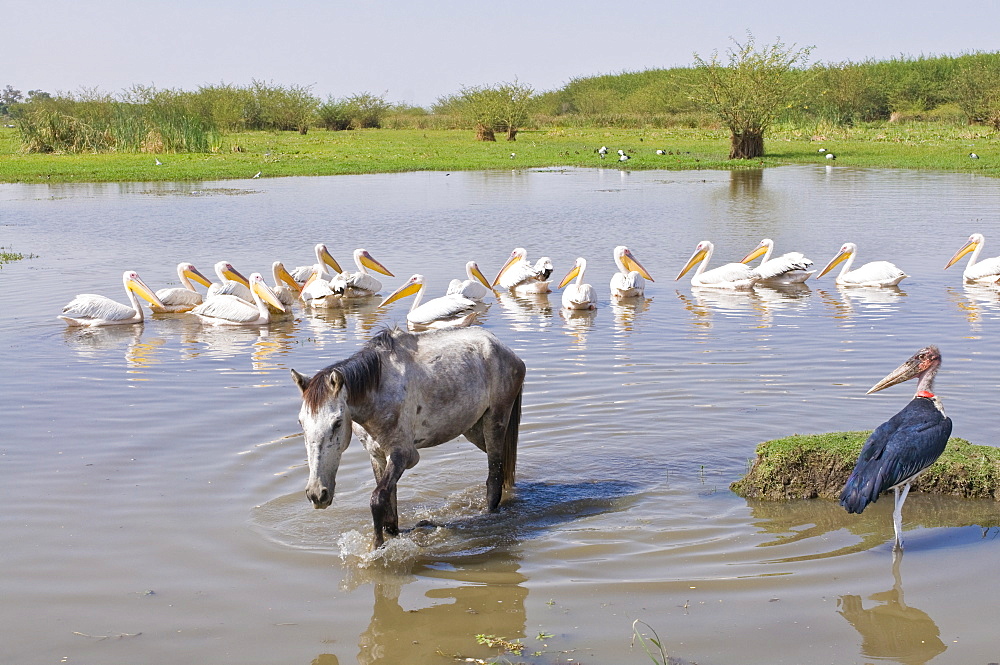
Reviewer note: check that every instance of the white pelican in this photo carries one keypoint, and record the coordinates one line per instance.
(88, 309)
(323, 257)
(228, 310)
(448, 311)
(578, 295)
(737, 276)
(876, 273)
(521, 277)
(319, 292)
(360, 284)
(285, 287)
(231, 282)
(629, 281)
(789, 268)
(987, 270)
(476, 287)
(182, 298)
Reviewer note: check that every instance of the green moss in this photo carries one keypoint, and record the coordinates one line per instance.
(806, 466)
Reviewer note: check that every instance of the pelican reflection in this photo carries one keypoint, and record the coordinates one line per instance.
(526, 312)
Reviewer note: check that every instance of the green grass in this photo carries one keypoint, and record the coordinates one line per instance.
(6, 256)
(908, 146)
(806, 466)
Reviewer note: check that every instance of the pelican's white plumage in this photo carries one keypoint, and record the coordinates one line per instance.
(182, 298)
(578, 295)
(360, 284)
(985, 271)
(521, 277)
(630, 280)
(228, 310)
(88, 309)
(323, 257)
(789, 268)
(475, 287)
(448, 311)
(231, 282)
(736, 276)
(285, 288)
(876, 273)
(318, 291)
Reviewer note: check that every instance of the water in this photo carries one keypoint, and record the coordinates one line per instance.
(153, 506)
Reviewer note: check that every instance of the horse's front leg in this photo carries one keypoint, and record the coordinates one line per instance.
(383, 501)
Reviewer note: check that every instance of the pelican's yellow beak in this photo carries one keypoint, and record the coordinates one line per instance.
(695, 259)
(838, 259)
(570, 276)
(760, 251)
(235, 275)
(193, 273)
(286, 277)
(330, 261)
(510, 261)
(478, 274)
(630, 262)
(267, 295)
(412, 286)
(968, 247)
(369, 262)
(139, 287)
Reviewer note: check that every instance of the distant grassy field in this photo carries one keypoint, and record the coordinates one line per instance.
(907, 146)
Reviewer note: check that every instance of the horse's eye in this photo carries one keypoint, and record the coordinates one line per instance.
(336, 423)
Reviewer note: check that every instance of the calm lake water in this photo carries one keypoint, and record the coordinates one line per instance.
(153, 475)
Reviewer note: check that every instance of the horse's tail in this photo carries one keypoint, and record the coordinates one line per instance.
(510, 441)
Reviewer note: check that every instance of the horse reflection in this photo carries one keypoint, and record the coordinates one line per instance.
(892, 630)
(486, 597)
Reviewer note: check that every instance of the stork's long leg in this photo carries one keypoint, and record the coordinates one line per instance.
(897, 514)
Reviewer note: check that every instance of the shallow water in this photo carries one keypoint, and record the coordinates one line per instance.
(153, 475)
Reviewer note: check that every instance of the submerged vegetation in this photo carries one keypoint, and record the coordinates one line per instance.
(817, 466)
(6, 256)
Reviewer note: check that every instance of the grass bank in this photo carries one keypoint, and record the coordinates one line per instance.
(907, 146)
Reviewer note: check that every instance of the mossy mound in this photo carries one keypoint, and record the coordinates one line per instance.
(807, 466)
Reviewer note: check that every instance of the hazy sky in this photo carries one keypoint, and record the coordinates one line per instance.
(420, 50)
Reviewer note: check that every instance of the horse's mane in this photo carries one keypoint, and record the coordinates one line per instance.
(360, 374)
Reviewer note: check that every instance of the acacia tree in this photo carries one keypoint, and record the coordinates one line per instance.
(749, 91)
(502, 107)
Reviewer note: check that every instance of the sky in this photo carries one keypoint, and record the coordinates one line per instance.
(419, 51)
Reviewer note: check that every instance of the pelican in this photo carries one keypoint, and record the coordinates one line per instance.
(737, 276)
(629, 281)
(521, 277)
(228, 310)
(318, 291)
(185, 298)
(323, 257)
(903, 446)
(876, 273)
(790, 268)
(475, 287)
(448, 311)
(88, 309)
(578, 295)
(987, 270)
(285, 288)
(360, 284)
(231, 282)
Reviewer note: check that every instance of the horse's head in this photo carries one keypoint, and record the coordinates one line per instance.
(326, 426)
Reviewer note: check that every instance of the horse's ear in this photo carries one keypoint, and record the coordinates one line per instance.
(301, 380)
(336, 381)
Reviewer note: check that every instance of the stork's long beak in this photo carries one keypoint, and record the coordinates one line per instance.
(696, 258)
(509, 263)
(369, 262)
(236, 276)
(193, 273)
(839, 258)
(760, 251)
(412, 286)
(330, 261)
(968, 247)
(904, 372)
(265, 292)
(570, 276)
(139, 287)
(631, 263)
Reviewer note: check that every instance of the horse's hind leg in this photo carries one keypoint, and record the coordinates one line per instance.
(490, 434)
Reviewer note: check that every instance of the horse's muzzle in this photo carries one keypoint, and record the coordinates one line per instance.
(321, 499)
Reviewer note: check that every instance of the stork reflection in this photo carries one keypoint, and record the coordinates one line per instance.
(891, 629)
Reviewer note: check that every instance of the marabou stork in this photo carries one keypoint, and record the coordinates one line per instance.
(903, 446)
